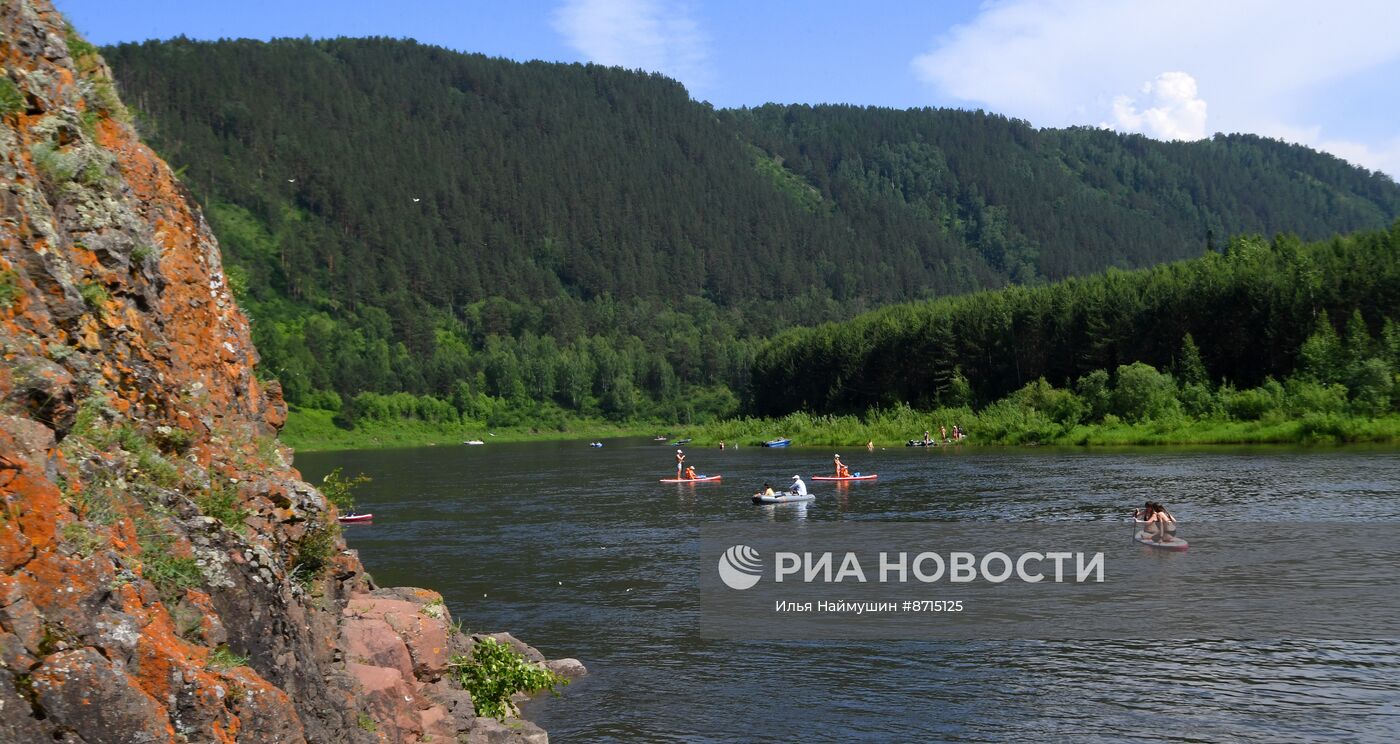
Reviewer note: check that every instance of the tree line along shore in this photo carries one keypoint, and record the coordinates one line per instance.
(1269, 342)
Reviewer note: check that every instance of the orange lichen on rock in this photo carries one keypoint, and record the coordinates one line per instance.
(165, 575)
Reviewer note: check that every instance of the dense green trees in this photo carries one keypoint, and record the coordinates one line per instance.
(1261, 309)
(517, 241)
(1053, 203)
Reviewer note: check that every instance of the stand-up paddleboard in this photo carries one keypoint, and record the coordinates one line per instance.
(856, 477)
(1171, 543)
(696, 479)
(784, 498)
(355, 518)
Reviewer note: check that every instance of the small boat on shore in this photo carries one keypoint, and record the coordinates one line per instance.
(473, 442)
(920, 443)
(778, 443)
(696, 479)
(355, 518)
(852, 477)
(781, 498)
(595, 444)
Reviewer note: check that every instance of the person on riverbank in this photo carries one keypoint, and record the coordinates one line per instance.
(841, 470)
(943, 433)
(928, 437)
(798, 487)
(721, 444)
(680, 463)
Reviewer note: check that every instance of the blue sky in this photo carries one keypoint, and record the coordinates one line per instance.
(1323, 74)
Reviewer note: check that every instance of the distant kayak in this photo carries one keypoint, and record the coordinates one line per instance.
(473, 441)
(856, 477)
(781, 498)
(679, 442)
(920, 443)
(696, 479)
(1172, 543)
(777, 443)
(354, 518)
(595, 444)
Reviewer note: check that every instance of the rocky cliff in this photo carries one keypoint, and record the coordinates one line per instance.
(165, 575)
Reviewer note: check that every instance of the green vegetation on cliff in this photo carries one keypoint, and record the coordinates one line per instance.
(520, 245)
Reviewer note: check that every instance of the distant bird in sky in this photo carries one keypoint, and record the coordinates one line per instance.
(416, 200)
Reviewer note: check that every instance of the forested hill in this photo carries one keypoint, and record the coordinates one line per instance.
(1053, 203)
(404, 218)
(1259, 311)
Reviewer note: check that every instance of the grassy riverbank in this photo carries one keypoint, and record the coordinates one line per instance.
(999, 426)
(310, 430)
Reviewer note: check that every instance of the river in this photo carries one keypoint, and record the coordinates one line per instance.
(580, 552)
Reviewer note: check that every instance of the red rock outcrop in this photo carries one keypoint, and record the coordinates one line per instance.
(165, 575)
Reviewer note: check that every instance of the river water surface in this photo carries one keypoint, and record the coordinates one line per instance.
(580, 552)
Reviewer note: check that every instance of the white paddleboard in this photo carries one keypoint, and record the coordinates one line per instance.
(1171, 543)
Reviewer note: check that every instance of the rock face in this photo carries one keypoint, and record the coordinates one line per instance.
(165, 575)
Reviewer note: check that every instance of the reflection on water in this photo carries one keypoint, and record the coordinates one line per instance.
(511, 522)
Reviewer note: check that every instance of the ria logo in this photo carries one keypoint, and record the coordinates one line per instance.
(740, 567)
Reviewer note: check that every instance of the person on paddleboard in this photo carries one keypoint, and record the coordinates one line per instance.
(690, 473)
(841, 470)
(798, 487)
(1165, 522)
(680, 463)
(1160, 524)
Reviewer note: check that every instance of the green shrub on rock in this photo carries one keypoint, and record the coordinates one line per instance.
(494, 671)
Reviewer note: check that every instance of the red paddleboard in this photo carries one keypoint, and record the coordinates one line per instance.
(353, 518)
(697, 479)
(871, 476)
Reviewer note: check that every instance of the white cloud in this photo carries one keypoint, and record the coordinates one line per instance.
(654, 35)
(1383, 156)
(1061, 62)
(1178, 113)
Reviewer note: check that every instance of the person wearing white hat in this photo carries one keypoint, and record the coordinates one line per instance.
(798, 487)
(841, 470)
(680, 463)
